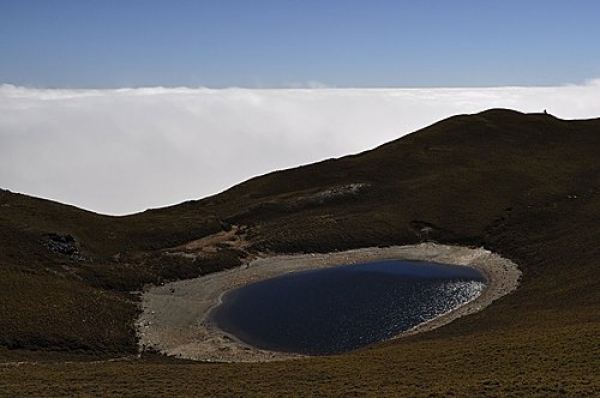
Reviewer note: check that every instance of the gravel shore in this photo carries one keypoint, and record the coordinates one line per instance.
(173, 315)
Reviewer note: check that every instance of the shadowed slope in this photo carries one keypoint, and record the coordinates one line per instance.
(524, 185)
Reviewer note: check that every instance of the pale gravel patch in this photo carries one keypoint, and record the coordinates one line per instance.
(173, 315)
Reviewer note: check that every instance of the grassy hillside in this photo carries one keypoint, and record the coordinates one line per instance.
(524, 185)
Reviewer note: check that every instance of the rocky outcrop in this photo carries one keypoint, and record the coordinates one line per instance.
(62, 244)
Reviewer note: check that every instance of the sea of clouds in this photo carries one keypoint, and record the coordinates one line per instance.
(119, 151)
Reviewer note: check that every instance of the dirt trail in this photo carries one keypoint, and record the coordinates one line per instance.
(172, 320)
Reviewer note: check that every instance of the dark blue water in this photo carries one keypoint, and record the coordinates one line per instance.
(333, 310)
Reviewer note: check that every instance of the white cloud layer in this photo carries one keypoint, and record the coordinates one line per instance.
(123, 151)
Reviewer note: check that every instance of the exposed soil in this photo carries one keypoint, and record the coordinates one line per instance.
(173, 320)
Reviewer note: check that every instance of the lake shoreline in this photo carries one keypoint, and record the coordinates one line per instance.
(173, 319)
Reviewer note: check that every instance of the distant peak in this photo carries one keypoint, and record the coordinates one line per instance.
(495, 112)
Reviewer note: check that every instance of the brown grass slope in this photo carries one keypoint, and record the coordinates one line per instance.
(524, 185)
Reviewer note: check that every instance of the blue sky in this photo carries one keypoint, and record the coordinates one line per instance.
(285, 43)
(155, 135)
